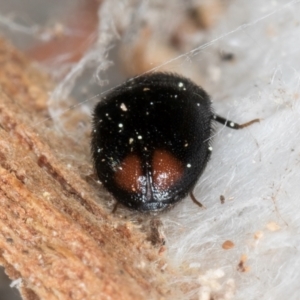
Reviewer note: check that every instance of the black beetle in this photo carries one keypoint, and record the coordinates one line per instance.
(151, 139)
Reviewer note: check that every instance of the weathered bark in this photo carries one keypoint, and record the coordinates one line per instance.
(53, 233)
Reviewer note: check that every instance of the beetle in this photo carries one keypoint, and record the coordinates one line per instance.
(151, 139)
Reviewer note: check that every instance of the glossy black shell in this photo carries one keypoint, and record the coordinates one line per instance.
(153, 111)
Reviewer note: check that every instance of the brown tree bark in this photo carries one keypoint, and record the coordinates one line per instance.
(54, 234)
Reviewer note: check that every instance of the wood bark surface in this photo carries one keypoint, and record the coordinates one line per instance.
(54, 232)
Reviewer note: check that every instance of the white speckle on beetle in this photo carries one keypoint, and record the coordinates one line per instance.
(151, 103)
(131, 141)
(99, 150)
(210, 148)
(232, 124)
(123, 107)
(146, 89)
(188, 165)
(140, 137)
(175, 96)
(185, 145)
(120, 125)
(198, 104)
(214, 117)
(180, 84)
(95, 130)
(107, 115)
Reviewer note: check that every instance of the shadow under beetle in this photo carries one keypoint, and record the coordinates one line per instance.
(151, 140)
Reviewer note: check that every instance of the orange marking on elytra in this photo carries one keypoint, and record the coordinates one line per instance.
(130, 174)
(166, 168)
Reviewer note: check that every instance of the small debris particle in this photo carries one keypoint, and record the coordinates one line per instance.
(228, 245)
(241, 266)
(156, 235)
(272, 226)
(258, 235)
(222, 199)
(16, 283)
(162, 250)
(227, 56)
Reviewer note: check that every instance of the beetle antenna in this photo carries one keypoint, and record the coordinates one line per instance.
(231, 124)
(195, 200)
